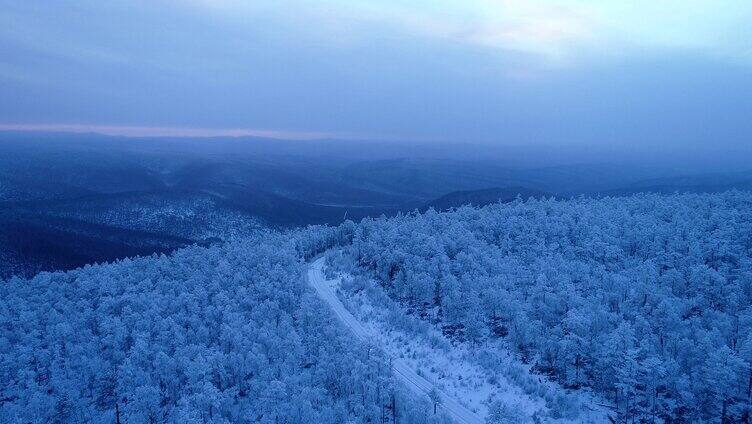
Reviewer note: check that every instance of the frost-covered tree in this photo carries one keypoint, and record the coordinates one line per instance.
(227, 334)
(645, 299)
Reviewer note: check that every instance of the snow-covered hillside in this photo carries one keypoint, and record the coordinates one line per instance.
(634, 309)
(486, 380)
(645, 300)
(225, 334)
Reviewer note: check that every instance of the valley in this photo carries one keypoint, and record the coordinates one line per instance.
(100, 198)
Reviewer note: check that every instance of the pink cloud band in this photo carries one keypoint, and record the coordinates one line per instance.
(146, 131)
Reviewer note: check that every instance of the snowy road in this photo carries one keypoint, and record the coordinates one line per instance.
(401, 370)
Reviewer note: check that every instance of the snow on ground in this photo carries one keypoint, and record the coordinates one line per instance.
(435, 359)
(402, 370)
(453, 367)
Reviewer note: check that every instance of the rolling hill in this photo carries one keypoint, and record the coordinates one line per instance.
(484, 197)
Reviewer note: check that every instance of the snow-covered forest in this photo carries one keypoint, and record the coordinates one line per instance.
(643, 301)
(646, 300)
(376, 212)
(206, 335)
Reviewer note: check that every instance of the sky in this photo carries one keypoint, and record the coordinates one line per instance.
(548, 72)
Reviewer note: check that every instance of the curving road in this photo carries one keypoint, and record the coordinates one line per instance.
(401, 370)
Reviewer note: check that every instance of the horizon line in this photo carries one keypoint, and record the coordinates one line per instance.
(171, 131)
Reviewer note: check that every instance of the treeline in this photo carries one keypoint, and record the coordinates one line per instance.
(225, 334)
(647, 300)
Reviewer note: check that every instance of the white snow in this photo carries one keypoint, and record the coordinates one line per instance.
(403, 367)
(452, 369)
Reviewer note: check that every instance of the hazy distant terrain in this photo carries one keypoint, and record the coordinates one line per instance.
(71, 199)
(484, 197)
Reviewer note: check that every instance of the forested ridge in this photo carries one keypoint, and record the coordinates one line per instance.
(206, 335)
(646, 299)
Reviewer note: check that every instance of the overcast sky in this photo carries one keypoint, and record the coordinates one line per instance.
(634, 72)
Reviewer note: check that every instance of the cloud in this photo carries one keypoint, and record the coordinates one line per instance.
(551, 32)
(148, 131)
(187, 131)
(554, 31)
(454, 69)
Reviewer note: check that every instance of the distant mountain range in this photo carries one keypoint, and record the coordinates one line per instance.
(484, 197)
(97, 198)
(701, 183)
